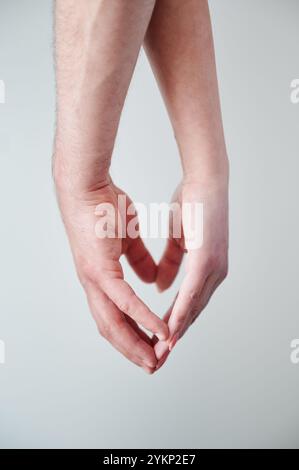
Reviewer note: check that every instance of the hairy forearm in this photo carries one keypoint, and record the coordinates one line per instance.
(179, 44)
(97, 44)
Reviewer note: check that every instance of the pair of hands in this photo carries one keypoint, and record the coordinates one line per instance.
(118, 312)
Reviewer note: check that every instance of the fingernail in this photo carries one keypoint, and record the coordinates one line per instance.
(173, 342)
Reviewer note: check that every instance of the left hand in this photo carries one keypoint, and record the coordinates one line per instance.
(206, 267)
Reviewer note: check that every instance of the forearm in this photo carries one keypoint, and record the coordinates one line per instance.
(97, 44)
(179, 44)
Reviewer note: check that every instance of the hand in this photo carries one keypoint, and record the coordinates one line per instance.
(206, 267)
(96, 47)
(115, 307)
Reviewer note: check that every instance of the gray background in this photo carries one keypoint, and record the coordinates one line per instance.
(230, 382)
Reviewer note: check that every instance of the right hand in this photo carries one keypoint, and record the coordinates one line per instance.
(116, 308)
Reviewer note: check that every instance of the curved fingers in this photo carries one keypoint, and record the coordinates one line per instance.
(113, 326)
(129, 303)
(209, 288)
(141, 260)
(188, 297)
(169, 264)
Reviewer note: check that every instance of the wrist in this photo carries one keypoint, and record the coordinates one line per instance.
(75, 175)
(71, 184)
(208, 171)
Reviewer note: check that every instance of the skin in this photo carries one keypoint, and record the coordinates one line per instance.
(97, 44)
(179, 44)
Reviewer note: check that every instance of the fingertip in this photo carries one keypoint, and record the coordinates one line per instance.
(162, 361)
(163, 334)
(150, 361)
(149, 273)
(162, 281)
(161, 337)
(149, 370)
(160, 349)
(160, 289)
(150, 364)
(154, 271)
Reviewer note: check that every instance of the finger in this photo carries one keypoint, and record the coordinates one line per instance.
(114, 327)
(163, 359)
(149, 370)
(169, 264)
(165, 319)
(187, 299)
(139, 331)
(209, 290)
(144, 337)
(162, 347)
(129, 303)
(140, 260)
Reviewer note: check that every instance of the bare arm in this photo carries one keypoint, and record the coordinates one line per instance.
(179, 44)
(97, 44)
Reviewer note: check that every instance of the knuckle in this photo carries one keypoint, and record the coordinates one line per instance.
(127, 304)
(216, 263)
(223, 269)
(133, 307)
(223, 272)
(124, 306)
(101, 331)
(84, 278)
(137, 310)
(105, 331)
(195, 311)
(86, 274)
(211, 262)
(180, 320)
(113, 329)
(194, 296)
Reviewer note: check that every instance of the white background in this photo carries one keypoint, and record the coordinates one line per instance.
(230, 382)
